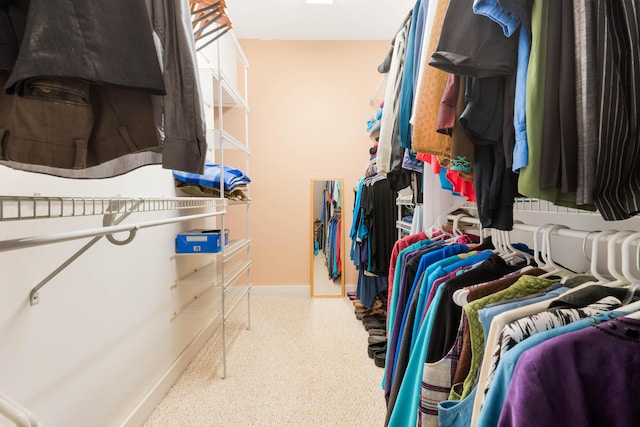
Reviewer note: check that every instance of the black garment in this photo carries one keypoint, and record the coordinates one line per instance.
(448, 314)
(378, 202)
(13, 18)
(473, 45)
(101, 42)
(589, 295)
(508, 129)
(398, 177)
(558, 165)
(483, 119)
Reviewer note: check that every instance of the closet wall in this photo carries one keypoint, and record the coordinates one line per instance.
(309, 109)
(102, 335)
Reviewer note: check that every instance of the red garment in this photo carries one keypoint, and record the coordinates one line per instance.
(447, 112)
(399, 245)
(461, 186)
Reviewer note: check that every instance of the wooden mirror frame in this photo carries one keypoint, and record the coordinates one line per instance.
(313, 286)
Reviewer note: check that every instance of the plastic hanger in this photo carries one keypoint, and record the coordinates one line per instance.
(460, 296)
(13, 411)
(593, 269)
(633, 309)
(455, 229)
(634, 287)
(500, 239)
(636, 311)
(584, 244)
(537, 250)
(626, 250)
(546, 239)
(497, 244)
(620, 279)
(514, 252)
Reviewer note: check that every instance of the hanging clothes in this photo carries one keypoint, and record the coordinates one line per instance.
(592, 386)
(106, 109)
(373, 235)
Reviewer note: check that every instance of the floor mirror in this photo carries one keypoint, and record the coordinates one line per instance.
(327, 238)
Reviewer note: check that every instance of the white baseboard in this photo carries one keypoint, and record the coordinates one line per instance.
(281, 289)
(290, 289)
(154, 396)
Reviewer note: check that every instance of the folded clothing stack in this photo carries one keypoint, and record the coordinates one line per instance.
(208, 184)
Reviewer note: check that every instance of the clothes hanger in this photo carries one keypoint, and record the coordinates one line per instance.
(593, 269)
(626, 264)
(514, 252)
(584, 244)
(554, 269)
(455, 228)
(496, 239)
(537, 249)
(19, 415)
(499, 239)
(626, 268)
(620, 279)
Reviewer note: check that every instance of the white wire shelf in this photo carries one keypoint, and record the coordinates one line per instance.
(37, 207)
(220, 139)
(213, 81)
(208, 303)
(543, 206)
(402, 225)
(214, 275)
(209, 299)
(232, 202)
(406, 201)
(236, 247)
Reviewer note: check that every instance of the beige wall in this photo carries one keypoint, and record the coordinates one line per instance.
(309, 108)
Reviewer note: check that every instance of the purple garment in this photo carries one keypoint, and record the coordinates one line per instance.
(441, 280)
(588, 377)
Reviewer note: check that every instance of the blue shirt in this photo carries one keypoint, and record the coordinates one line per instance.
(440, 269)
(510, 24)
(427, 259)
(406, 90)
(456, 413)
(405, 411)
(393, 299)
(354, 223)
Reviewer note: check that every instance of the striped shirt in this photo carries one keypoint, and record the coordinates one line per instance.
(617, 179)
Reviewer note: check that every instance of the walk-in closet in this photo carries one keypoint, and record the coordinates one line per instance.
(333, 213)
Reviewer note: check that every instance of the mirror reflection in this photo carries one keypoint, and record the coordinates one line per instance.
(327, 238)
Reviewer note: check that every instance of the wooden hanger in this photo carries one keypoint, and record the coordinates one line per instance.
(207, 12)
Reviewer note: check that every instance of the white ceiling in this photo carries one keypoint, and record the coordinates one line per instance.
(296, 20)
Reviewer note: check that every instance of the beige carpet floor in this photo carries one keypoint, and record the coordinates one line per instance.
(303, 363)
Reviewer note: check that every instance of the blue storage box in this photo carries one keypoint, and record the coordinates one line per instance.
(196, 241)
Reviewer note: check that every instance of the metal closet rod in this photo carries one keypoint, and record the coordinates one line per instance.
(27, 242)
(565, 232)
